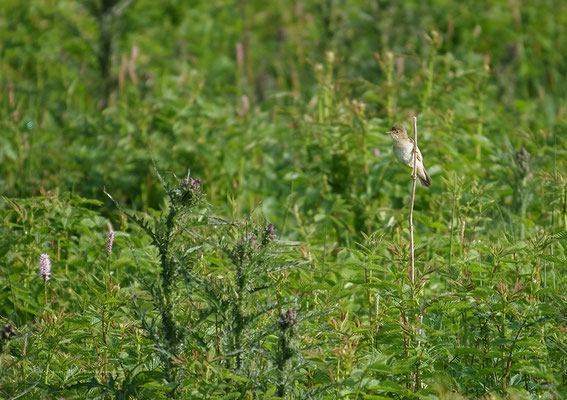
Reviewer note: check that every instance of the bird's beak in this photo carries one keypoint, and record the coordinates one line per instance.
(390, 132)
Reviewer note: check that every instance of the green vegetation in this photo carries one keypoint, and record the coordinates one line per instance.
(224, 217)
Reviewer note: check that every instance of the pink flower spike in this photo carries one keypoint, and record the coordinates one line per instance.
(109, 243)
(44, 267)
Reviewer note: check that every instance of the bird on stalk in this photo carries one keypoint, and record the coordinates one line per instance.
(403, 149)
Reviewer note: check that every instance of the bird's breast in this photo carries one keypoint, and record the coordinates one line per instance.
(404, 154)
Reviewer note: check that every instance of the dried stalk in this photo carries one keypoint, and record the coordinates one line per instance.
(414, 178)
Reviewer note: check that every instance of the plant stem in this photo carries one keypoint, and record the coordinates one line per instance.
(452, 226)
(414, 178)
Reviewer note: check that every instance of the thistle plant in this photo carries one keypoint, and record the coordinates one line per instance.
(184, 197)
(105, 314)
(285, 351)
(217, 287)
(251, 262)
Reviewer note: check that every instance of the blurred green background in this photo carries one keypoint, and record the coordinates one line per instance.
(243, 95)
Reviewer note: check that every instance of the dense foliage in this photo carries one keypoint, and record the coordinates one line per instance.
(199, 199)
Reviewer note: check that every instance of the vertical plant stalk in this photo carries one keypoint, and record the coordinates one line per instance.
(246, 42)
(565, 206)
(239, 313)
(45, 272)
(285, 352)
(105, 49)
(479, 126)
(106, 14)
(321, 93)
(414, 178)
(435, 40)
(386, 63)
(105, 307)
(416, 385)
(166, 307)
(506, 375)
(109, 244)
(452, 226)
(45, 292)
(328, 83)
(390, 83)
(368, 279)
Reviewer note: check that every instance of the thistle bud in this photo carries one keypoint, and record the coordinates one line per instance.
(8, 332)
(287, 319)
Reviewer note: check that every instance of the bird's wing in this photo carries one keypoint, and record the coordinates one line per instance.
(419, 156)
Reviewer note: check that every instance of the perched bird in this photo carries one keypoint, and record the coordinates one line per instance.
(403, 149)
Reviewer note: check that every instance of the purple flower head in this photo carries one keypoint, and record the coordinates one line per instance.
(44, 267)
(523, 158)
(270, 233)
(246, 245)
(195, 184)
(250, 238)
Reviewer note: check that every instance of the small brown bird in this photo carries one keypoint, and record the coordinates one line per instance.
(403, 149)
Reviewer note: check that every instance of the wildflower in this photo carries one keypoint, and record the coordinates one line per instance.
(270, 233)
(523, 158)
(109, 242)
(249, 239)
(44, 267)
(245, 246)
(195, 184)
(185, 193)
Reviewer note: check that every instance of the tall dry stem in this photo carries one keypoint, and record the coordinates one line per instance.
(414, 178)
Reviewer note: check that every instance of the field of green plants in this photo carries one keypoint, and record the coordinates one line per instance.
(199, 200)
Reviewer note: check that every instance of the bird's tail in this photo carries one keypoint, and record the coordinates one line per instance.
(424, 177)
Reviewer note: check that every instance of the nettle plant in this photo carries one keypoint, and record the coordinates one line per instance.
(214, 311)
